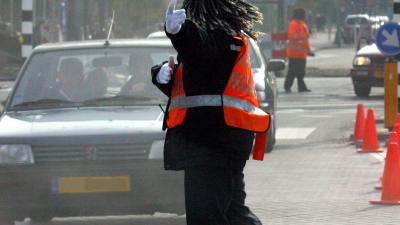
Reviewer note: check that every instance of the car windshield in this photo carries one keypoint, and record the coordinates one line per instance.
(89, 77)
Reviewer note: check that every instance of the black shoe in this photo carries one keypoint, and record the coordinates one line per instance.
(305, 90)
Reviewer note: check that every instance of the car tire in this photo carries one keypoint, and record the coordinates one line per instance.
(362, 91)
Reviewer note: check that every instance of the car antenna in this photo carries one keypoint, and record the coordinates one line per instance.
(107, 43)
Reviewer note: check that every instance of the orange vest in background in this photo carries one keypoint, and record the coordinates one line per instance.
(239, 100)
(298, 44)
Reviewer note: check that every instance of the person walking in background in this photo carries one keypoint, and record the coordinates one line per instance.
(298, 49)
(213, 111)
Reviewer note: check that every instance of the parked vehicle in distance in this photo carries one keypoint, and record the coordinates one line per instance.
(360, 23)
(367, 70)
(9, 65)
(265, 80)
(376, 22)
(80, 134)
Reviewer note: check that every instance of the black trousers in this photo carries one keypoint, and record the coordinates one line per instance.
(216, 196)
(297, 69)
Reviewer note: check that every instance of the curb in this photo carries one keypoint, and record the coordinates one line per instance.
(383, 133)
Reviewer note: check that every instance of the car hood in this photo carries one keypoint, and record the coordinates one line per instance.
(89, 124)
(369, 50)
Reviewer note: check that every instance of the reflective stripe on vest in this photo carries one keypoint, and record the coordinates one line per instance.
(299, 48)
(239, 100)
(213, 100)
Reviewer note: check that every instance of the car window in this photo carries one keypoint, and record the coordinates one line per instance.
(357, 20)
(254, 61)
(80, 76)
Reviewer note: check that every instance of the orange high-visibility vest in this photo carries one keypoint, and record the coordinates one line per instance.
(298, 44)
(239, 100)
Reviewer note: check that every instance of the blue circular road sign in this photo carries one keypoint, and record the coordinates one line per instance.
(387, 38)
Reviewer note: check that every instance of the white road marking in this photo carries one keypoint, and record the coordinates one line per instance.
(322, 56)
(322, 105)
(5, 90)
(293, 133)
(379, 156)
(316, 116)
(345, 111)
(290, 111)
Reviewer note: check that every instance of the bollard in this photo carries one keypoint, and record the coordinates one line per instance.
(391, 102)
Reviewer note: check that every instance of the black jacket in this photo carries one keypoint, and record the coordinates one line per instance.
(204, 138)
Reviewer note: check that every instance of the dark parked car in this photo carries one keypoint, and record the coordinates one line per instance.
(265, 80)
(9, 65)
(81, 134)
(368, 70)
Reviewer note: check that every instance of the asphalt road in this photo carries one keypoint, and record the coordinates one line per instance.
(313, 176)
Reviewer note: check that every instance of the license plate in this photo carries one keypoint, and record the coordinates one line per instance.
(69, 185)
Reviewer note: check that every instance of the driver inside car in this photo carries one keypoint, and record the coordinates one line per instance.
(69, 80)
(138, 68)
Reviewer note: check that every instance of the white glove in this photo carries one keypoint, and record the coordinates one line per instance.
(164, 75)
(174, 18)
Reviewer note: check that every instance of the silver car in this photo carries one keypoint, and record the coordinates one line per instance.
(81, 134)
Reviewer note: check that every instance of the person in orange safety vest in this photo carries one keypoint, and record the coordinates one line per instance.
(213, 115)
(298, 48)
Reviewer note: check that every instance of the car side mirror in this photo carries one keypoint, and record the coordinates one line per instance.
(276, 65)
(2, 105)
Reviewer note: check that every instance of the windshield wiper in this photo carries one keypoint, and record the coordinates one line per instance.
(44, 102)
(118, 99)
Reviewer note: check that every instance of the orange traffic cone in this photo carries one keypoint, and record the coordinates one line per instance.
(370, 137)
(393, 137)
(359, 126)
(391, 183)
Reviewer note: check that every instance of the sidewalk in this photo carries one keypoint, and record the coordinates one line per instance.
(329, 61)
(322, 40)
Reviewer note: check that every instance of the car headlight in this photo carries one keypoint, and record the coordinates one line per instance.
(361, 61)
(157, 150)
(16, 154)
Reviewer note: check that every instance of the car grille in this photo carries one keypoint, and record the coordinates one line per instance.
(90, 153)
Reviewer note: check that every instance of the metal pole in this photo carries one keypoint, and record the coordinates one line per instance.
(12, 14)
(392, 89)
(396, 19)
(27, 27)
(356, 36)
(396, 11)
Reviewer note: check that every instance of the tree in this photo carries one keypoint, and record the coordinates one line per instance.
(137, 18)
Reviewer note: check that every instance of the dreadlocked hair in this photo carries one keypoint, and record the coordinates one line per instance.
(232, 16)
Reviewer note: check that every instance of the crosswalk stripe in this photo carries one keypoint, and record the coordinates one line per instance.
(316, 116)
(293, 133)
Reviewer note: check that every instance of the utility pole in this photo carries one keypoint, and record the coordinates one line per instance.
(27, 27)
(12, 13)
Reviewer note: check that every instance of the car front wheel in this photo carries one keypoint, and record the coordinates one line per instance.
(362, 91)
